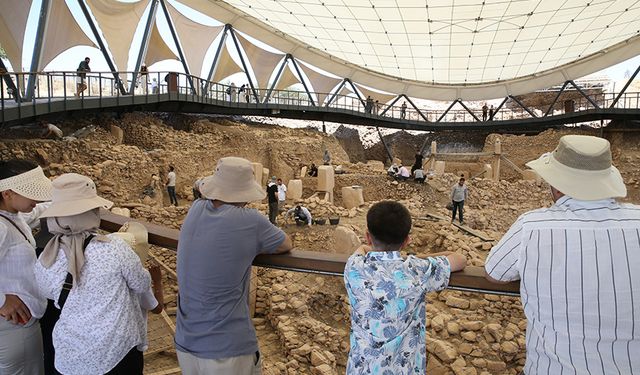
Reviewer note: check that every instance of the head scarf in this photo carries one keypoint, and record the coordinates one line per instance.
(70, 233)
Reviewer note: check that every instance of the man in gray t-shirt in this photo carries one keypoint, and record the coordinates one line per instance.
(218, 242)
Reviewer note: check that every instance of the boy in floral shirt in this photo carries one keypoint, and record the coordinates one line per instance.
(387, 295)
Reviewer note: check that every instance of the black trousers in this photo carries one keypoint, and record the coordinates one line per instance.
(273, 212)
(47, 323)
(131, 364)
(457, 206)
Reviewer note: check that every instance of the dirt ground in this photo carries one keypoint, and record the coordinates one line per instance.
(302, 320)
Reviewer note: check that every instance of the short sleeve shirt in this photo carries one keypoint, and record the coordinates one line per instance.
(387, 297)
(215, 252)
(171, 176)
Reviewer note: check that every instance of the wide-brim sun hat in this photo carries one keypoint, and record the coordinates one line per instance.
(74, 194)
(137, 237)
(580, 167)
(32, 185)
(233, 182)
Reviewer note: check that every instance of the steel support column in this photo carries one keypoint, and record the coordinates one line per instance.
(216, 57)
(9, 82)
(391, 104)
(103, 48)
(336, 92)
(304, 84)
(244, 64)
(347, 80)
(386, 147)
(415, 107)
(447, 111)
(522, 105)
(177, 43)
(556, 99)
(583, 94)
(275, 81)
(43, 19)
(468, 110)
(498, 108)
(624, 89)
(144, 44)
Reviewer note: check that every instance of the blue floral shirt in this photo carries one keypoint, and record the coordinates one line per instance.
(387, 296)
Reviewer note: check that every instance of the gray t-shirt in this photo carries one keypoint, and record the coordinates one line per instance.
(215, 252)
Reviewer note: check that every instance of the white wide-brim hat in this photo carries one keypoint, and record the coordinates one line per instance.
(233, 182)
(74, 194)
(580, 167)
(32, 185)
(137, 237)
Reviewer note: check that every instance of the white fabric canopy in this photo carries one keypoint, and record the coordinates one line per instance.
(195, 39)
(118, 22)
(226, 66)
(375, 95)
(62, 33)
(157, 50)
(321, 84)
(262, 62)
(287, 79)
(13, 21)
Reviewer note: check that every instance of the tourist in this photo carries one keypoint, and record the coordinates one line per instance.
(376, 107)
(403, 110)
(491, 113)
(95, 281)
(403, 173)
(154, 86)
(218, 241)
(368, 107)
(282, 195)
(171, 186)
(233, 92)
(300, 214)
(313, 170)
(418, 175)
(459, 194)
(50, 131)
(196, 189)
(388, 295)
(152, 187)
(143, 78)
(418, 163)
(578, 264)
(272, 197)
(484, 112)
(82, 70)
(22, 185)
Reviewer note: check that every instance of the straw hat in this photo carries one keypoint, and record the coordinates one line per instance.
(74, 194)
(32, 184)
(233, 182)
(135, 235)
(580, 167)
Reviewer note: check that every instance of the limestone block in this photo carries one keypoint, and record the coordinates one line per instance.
(376, 165)
(346, 240)
(352, 197)
(265, 176)
(326, 181)
(488, 171)
(122, 211)
(294, 189)
(397, 161)
(531, 175)
(117, 133)
(257, 171)
(303, 171)
(439, 167)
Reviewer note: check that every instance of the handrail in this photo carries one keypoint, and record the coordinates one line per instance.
(471, 279)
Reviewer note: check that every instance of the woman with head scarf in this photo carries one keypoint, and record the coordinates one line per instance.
(96, 281)
(22, 185)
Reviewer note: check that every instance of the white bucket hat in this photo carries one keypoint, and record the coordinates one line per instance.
(580, 167)
(32, 184)
(233, 182)
(74, 194)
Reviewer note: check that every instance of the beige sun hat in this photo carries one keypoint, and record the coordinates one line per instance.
(74, 194)
(135, 235)
(32, 184)
(233, 181)
(580, 167)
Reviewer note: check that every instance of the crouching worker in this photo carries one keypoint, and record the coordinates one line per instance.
(95, 280)
(300, 214)
(387, 295)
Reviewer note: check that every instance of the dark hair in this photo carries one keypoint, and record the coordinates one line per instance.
(14, 167)
(279, 179)
(171, 167)
(389, 223)
(462, 178)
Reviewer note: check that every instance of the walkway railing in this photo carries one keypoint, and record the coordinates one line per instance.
(471, 279)
(54, 86)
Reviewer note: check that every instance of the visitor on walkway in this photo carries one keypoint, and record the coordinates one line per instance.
(233, 92)
(282, 195)
(403, 110)
(368, 107)
(459, 194)
(272, 197)
(484, 112)
(578, 263)
(491, 112)
(388, 295)
(300, 214)
(154, 86)
(95, 281)
(22, 185)
(171, 186)
(50, 131)
(218, 242)
(82, 70)
(143, 79)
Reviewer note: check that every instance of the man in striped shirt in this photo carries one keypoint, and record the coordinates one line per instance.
(578, 263)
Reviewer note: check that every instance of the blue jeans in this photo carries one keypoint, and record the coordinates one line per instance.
(457, 206)
(172, 194)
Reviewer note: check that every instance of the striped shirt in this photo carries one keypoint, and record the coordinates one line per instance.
(579, 266)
